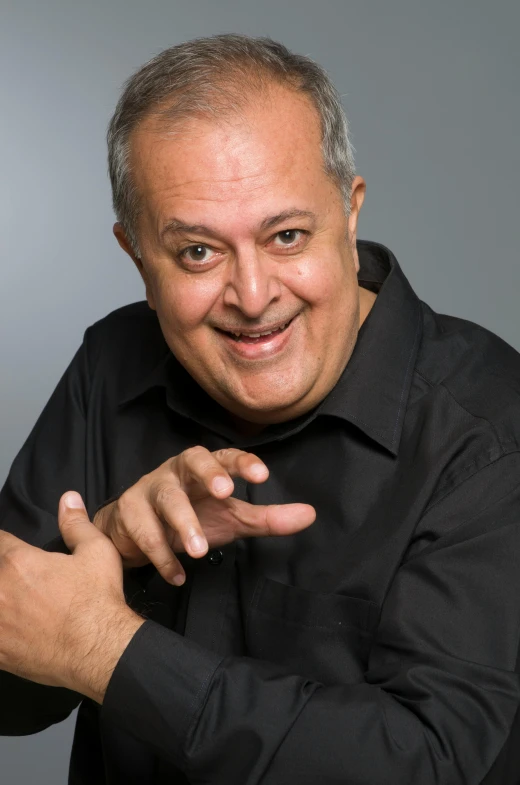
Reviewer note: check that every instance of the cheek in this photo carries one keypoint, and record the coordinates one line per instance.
(321, 281)
(185, 301)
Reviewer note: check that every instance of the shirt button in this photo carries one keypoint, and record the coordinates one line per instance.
(215, 557)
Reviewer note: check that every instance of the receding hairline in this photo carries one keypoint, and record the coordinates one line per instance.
(174, 113)
(220, 74)
(169, 118)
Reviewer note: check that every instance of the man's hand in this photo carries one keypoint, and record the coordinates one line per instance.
(64, 621)
(186, 505)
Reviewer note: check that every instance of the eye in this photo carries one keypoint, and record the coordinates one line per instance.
(196, 253)
(290, 239)
(289, 236)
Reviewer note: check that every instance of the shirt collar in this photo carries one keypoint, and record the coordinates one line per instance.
(372, 391)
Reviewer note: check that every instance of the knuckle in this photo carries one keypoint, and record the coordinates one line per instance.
(193, 451)
(198, 465)
(209, 468)
(150, 542)
(16, 557)
(167, 565)
(171, 465)
(193, 455)
(126, 502)
(128, 548)
(246, 459)
(167, 495)
(226, 453)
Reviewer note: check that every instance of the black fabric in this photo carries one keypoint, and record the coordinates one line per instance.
(381, 644)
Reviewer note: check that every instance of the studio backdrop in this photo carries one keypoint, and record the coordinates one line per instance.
(431, 92)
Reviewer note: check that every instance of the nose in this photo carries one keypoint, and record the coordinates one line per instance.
(253, 283)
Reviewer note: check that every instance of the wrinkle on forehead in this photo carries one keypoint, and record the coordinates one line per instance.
(219, 190)
(173, 180)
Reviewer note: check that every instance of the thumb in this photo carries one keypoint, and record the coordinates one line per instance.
(74, 523)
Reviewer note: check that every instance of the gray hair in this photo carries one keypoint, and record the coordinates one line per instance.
(211, 76)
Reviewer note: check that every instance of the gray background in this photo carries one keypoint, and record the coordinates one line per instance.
(431, 90)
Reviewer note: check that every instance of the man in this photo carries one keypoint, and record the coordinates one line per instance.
(303, 481)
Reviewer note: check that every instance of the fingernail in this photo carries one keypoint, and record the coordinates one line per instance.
(258, 469)
(178, 580)
(197, 543)
(74, 501)
(221, 484)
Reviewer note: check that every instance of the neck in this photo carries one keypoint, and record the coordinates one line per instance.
(366, 301)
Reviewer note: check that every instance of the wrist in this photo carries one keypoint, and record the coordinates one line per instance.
(93, 668)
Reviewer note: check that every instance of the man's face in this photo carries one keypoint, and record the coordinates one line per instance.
(241, 231)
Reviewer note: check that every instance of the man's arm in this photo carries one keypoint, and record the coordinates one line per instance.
(50, 462)
(440, 694)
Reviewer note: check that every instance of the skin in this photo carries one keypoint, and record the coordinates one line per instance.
(64, 621)
(233, 177)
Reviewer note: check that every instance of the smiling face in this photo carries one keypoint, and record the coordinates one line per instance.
(242, 231)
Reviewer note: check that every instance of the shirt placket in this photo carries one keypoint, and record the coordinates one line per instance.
(211, 583)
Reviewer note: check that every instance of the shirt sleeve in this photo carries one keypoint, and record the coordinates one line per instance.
(51, 461)
(440, 692)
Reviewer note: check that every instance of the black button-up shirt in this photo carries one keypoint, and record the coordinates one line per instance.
(380, 645)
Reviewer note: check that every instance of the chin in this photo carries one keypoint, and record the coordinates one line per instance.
(271, 405)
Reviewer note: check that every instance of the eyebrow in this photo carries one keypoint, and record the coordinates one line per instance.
(176, 226)
(268, 223)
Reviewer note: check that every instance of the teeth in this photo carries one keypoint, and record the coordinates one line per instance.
(259, 335)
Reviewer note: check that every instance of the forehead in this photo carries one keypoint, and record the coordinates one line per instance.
(269, 151)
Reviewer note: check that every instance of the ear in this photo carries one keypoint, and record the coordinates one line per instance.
(122, 239)
(357, 197)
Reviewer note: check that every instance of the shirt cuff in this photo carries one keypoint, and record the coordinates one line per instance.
(157, 687)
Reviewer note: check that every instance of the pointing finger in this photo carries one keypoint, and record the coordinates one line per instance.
(273, 520)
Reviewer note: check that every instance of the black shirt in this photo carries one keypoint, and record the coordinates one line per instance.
(380, 645)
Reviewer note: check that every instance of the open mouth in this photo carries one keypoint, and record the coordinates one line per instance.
(256, 337)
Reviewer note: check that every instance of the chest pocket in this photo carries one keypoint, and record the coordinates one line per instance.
(325, 637)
